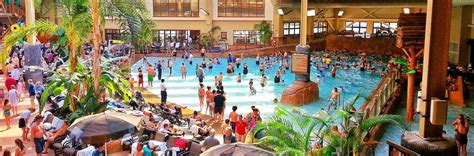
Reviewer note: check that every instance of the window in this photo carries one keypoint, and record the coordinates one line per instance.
(167, 36)
(246, 37)
(389, 26)
(113, 34)
(176, 8)
(241, 8)
(357, 27)
(224, 35)
(291, 28)
(320, 27)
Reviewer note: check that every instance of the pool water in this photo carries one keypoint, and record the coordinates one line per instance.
(185, 92)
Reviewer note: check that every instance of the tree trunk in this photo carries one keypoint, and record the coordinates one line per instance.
(72, 64)
(96, 39)
(411, 84)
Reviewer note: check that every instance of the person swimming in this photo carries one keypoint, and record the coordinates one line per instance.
(263, 81)
(334, 99)
(239, 78)
(253, 91)
(333, 71)
(277, 78)
(246, 70)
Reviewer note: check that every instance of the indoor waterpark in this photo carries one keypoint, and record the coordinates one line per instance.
(236, 77)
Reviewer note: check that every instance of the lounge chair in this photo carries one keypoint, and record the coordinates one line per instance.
(57, 146)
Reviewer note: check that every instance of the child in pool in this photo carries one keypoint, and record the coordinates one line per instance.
(263, 82)
(252, 90)
(239, 78)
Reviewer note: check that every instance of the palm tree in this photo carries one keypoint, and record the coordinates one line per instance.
(290, 130)
(265, 31)
(111, 82)
(208, 40)
(94, 5)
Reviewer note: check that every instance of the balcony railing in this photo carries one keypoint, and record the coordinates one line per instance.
(381, 95)
(13, 9)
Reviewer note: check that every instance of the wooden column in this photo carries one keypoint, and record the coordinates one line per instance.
(30, 17)
(277, 26)
(435, 62)
(304, 22)
(310, 27)
(466, 20)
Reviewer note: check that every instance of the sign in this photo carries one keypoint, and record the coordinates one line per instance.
(300, 64)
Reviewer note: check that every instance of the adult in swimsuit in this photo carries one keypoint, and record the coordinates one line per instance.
(462, 128)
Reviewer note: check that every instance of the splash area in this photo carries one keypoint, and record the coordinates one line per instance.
(185, 92)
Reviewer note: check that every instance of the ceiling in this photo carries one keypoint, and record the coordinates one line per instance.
(362, 3)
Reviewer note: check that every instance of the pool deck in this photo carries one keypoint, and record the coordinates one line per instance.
(7, 137)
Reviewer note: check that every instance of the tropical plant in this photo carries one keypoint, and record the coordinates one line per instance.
(265, 31)
(133, 18)
(290, 131)
(208, 40)
(78, 87)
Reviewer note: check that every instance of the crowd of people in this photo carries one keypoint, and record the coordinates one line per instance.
(212, 99)
(234, 127)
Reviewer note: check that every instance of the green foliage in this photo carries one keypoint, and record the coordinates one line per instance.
(404, 64)
(63, 82)
(265, 31)
(208, 39)
(133, 17)
(290, 130)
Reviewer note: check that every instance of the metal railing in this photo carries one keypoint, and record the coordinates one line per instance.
(396, 149)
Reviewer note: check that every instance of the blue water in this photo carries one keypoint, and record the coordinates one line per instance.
(185, 92)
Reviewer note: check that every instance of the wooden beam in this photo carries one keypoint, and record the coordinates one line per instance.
(369, 13)
(419, 53)
(331, 26)
(363, 19)
(406, 52)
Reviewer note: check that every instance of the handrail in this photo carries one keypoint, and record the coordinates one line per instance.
(380, 95)
(400, 150)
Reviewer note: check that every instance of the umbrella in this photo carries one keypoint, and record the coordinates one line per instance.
(99, 128)
(239, 149)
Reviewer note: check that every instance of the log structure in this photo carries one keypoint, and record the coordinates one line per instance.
(411, 30)
(411, 39)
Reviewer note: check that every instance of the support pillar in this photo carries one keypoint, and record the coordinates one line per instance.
(302, 90)
(277, 26)
(466, 19)
(435, 62)
(30, 17)
(430, 140)
(310, 28)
